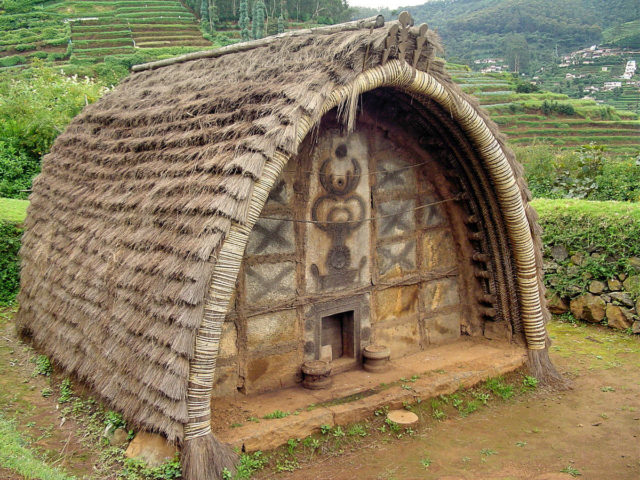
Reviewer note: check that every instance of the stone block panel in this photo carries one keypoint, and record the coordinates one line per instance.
(498, 331)
(396, 302)
(402, 338)
(228, 341)
(395, 217)
(443, 328)
(271, 236)
(440, 294)
(392, 172)
(432, 215)
(264, 331)
(439, 250)
(270, 282)
(271, 372)
(396, 259)
(225, 382)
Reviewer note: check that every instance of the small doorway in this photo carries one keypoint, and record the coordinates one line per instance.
(338, 333)
(333, 331)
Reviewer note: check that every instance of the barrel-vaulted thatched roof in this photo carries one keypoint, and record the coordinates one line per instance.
(135, 201)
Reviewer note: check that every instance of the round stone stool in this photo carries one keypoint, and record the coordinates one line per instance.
(376, 358)
(316, 374)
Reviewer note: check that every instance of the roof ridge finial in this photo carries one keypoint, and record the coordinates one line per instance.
(398, 38)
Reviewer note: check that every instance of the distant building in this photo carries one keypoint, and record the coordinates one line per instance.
(610, 86)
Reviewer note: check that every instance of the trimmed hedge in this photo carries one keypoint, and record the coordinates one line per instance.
(10, 235)
(12, 214)
(603, 236)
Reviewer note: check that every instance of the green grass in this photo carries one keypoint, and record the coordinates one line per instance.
(573, 207)
(17, 457)
(12, 210)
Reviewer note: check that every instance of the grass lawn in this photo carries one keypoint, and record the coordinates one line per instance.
(13, 210)
(547, 207)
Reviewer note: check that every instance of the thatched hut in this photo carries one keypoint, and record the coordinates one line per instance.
(324, 188)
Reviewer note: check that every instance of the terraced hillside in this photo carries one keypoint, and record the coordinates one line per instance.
(589, 76)
(623, 35)
(34, 34)
(550, 118)
(90, 30)
(122, 27)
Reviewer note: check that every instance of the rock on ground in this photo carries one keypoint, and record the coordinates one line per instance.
(557, 305)
(596, 287)
(588, 307)
(151, 448)
(619, 317)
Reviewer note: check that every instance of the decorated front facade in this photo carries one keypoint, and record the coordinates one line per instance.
(366, 237)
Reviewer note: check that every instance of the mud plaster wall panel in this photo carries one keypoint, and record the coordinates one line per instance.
(397, 319)
(337, 254)
(395, 205)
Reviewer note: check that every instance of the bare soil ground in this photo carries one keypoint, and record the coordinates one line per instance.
(592, 430)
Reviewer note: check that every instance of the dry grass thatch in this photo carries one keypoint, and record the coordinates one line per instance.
(137, 195)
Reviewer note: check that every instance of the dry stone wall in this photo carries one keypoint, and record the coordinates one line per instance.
(613, 301)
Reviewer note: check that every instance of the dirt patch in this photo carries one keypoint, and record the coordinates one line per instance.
(593, 429)
(57, 440)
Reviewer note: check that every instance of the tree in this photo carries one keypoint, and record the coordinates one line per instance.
(204, 12)
(213, 15)
(517, 52)
(243, 21)
(258, 19)
(280, 24)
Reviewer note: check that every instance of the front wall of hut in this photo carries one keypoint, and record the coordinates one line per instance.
(362, 241)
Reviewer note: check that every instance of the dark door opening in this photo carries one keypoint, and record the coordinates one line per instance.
(338, 331)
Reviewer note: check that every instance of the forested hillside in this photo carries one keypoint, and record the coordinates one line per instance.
(533, 31)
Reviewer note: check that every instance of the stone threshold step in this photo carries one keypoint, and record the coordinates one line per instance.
(356, 395)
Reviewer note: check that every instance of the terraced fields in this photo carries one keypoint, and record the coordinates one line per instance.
(27, 36)
(90, 30)
(122, 27)
(521, 116)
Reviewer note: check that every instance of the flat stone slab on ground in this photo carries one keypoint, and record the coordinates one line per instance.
(402, 417)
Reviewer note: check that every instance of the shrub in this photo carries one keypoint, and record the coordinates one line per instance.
(589, 172)
(135, 469)
(576, 177)
(10, 236)
(34, 109)
(526, 87)
(618, 180)
(17, 169)
(548, 108)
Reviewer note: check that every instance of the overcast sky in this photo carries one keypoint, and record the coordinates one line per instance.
(385, 3)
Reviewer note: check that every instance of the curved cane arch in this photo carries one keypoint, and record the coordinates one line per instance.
(397, 75)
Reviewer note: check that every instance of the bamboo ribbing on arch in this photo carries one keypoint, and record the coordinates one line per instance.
(400, 75)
